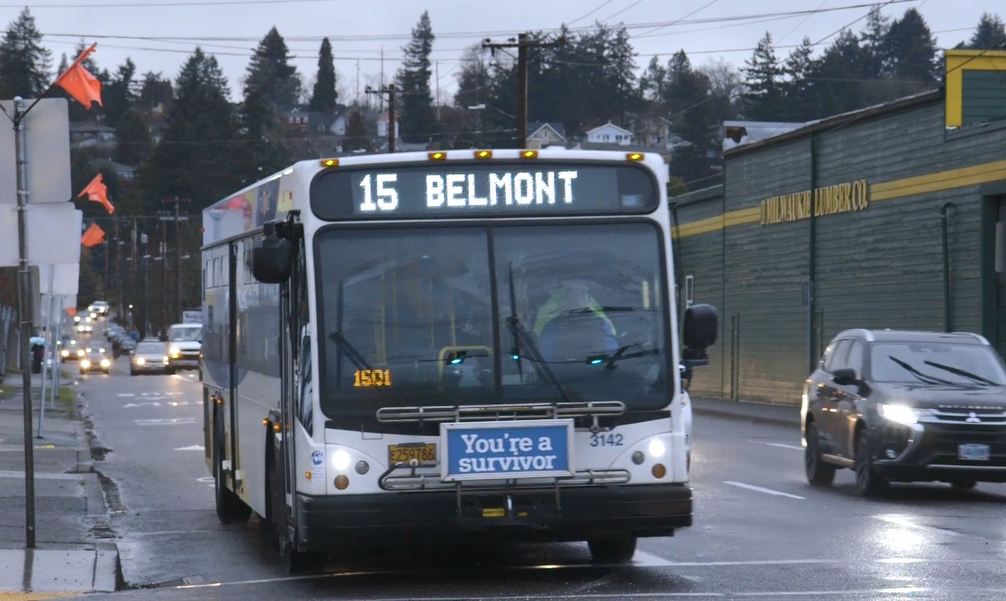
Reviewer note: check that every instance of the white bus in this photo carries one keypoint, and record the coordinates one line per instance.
(465, 343)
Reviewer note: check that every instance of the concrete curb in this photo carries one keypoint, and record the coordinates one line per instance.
(746, 417)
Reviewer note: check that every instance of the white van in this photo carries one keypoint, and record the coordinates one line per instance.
(185, 342)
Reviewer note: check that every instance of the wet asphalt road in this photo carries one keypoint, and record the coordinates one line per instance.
(760, 531)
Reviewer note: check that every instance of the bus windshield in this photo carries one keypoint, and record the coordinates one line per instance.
(482, 315)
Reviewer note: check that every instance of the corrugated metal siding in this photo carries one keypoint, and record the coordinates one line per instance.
(702, 257)
(878, 268)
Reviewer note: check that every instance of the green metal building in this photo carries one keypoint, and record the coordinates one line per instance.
(905, 199)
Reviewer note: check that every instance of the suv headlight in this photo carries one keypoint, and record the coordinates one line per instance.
(174, 351)
(901, 414)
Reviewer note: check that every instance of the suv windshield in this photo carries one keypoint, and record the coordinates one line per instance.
(185, 334)
(935, 363)
(408, 316)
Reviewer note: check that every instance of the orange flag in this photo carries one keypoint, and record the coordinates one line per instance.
(98, 192)
(79, 83)
(71, 311)
(93, 236)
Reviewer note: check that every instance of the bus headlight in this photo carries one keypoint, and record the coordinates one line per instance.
(657, 448)
(340, 460)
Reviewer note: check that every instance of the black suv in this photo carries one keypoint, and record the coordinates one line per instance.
(906, 406)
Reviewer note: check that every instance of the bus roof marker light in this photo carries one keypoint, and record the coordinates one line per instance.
(635, 156)
(529, 154)
(330, 162)
(438, 156)
(483, 154)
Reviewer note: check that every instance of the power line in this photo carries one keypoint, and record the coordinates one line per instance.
(603, 4)
(483, 34)
(698, 10)
(621, 11)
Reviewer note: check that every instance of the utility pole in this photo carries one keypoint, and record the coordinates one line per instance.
(164, 275)
(146, 287)
(118, 270)
(522, 43)
(390, 91)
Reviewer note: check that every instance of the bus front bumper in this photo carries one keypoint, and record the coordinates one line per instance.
(582, 514)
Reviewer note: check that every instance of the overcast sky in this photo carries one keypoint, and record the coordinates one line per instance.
(708, 29)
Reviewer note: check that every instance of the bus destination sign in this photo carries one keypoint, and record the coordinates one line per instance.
(482, 189)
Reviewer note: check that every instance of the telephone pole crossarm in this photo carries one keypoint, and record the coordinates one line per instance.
(522, 44)
(390, 92)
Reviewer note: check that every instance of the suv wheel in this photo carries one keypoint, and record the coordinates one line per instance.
(818, 472)
(964, 484)
(616, 550)
(868, 481)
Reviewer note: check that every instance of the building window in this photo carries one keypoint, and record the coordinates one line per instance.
(689, 290)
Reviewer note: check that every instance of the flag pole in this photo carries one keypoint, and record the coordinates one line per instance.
(26, 325)
(83, 55)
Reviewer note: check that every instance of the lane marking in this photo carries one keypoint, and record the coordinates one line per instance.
(165, 422)
(900, 520)
(767, 491)
(779, 445)
(177, 377)
(195, 447)
(128, 405)
(127, 394)
(642, 558)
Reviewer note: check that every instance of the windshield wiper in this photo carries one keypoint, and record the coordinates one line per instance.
(918, 374)
(521, 337)
(354, 355)
(960, 372)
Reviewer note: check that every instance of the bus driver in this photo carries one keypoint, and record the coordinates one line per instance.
(571, 325)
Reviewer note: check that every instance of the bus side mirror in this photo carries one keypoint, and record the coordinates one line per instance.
(1001, 247)
(272, 262)
(700, 330)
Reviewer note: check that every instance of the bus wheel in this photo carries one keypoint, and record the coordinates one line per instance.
(615, 550)
(230, 508)
(296, 562)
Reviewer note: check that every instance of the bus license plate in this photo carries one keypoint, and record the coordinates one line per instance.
(973, 452)
(404, 453)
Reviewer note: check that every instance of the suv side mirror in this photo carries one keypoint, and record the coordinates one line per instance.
(272, 263)
(845, 377)
(701, 326)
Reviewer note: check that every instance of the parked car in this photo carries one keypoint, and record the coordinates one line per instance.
(906, 406)
(95, 359)
(150, 357)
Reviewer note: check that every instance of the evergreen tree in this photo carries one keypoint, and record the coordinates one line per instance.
(119, 96)
(837, 78)
(873, 39)
(620, 75)
(796, 89)
(417, 120)
(357, 136)
(324, 97)
(155, 90)
(270, 74)
(194, 158)
(24, 62)
(911, 49)
(762, 74)
(686, 97)
(132, 139)
(990, 33)
(653, 81)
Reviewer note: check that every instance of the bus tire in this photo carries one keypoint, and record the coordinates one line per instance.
(230, 508)
(615, 550)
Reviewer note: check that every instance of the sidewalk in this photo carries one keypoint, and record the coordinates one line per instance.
(70, 513)
(764, 413)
